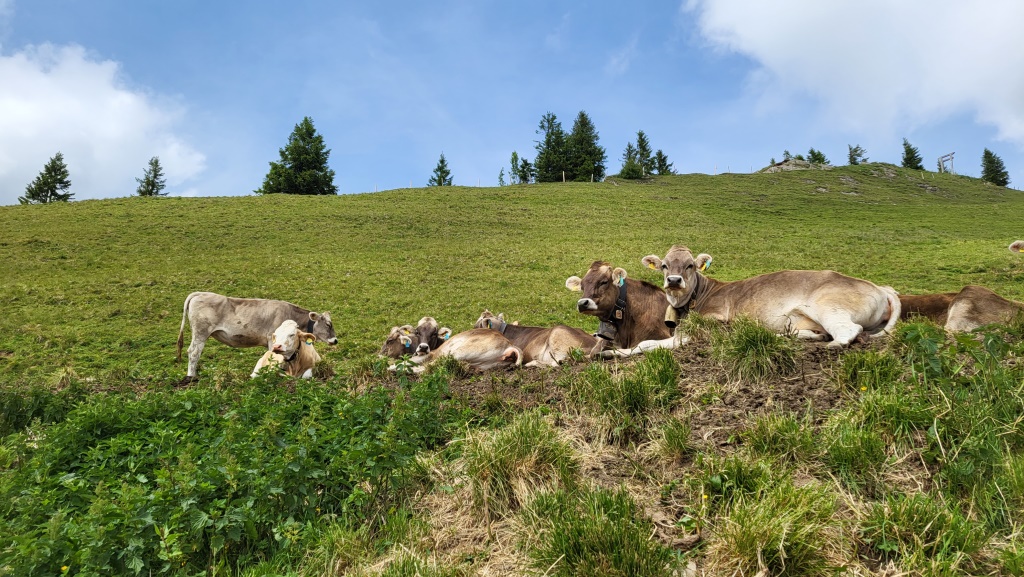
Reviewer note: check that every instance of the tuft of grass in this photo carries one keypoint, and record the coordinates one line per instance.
(411, 565)
(721, 481)
(701, 329)
(595, 533)
(856, 454)
(782, 436)
(923, 533)
(868, 370)
(673, 441)
(900, 415)
(506, 465)
(450, 366)
(785, 530)
(1010, 559)
(752, 352)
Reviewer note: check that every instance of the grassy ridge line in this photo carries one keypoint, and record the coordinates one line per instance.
(97, 286)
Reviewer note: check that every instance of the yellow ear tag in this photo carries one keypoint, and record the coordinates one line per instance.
(706, 264)
(651, 266)
(309, 341)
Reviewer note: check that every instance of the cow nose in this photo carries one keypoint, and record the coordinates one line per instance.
(674, 280)
(278, 349)
(332, 341)
(423, 348)
(585, 304)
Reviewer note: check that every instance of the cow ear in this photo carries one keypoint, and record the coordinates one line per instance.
(652, 261)
(406, 341)
(501, 317)
(314, 317)
(307, 337)
(703, 261)
(444, 333)
(619, 276)
(574, 283)
(406, 329)
(1017, 246)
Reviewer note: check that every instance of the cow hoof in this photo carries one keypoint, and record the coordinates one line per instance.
(188, 380)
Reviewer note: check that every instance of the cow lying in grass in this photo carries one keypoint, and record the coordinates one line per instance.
(632, 312)
(542, 346)
(481, 349)
(930, 306)
(1017, 246)
(813, 304)
(409, 340)
(974, 306)
(242, 323)
(291, 350)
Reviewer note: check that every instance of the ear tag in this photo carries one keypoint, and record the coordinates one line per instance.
(489, 325)
(622, 281)
(706, 265)
(408, 344)
(309, 341)
(446, 337)
(651, 266)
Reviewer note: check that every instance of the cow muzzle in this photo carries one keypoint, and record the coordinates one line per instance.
(332, 341)
(674, 282)
(586, 305)
(423, 349)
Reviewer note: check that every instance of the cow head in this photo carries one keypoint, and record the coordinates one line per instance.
(287, 339)
(680, 270)
(488, 320)
(323, 328)
(427, 336)
(1017, 246)
(600, 287)
(398, 343)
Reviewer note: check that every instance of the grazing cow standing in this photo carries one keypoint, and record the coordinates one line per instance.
(239, 323)
(547, 347)
(631, 311)
(409, 340)
(290, 349)
(812, 304)
(975, 306)
(481, 349)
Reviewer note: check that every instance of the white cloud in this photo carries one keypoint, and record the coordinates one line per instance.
(876, 64)
(618, 63)
(59, 98)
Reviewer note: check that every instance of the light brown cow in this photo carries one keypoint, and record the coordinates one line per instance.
(542, 346)
(481, 349)
(242, 322)
(812, 304)
(409, 340)
(975, 306)
(934, 307)
(1017, 246)
(290, 349)
(632, 311)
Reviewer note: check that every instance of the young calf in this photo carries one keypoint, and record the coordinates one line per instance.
(290, 349)
(481, 349)
(542, 346)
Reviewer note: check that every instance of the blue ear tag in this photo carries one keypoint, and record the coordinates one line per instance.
(408, 344)
(445, 337)
(706, 265)
(622, 281)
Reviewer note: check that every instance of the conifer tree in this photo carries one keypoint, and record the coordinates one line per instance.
(586, 157)
(442, 176)
(513, 173)
(527, 172)
(662, 165)
(501, 176)
(152, 182)
(816, 156)
(993, 170)
(911, 157)
(643, 153)
(551, 160)
(631, 167)
(51, 185)
(303, 167)
(855, 155)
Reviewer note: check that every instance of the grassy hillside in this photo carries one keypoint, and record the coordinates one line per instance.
(98, 286)
(743, 453)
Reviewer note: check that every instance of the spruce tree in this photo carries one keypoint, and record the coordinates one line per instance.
(586, 157)
(644, 156)
(513, 173)
(527, 173)
(855, 155)
(51, 185)
(816, 156)
(631, 167)
(501, 176)
(911, 157)
(442, 176)
(993, 170)
(662, 165)
(152, 182)
(303, 167)
(551, 159)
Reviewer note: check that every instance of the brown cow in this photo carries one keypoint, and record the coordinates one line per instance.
(481, 349)
(812, 304)
(542, 347)
(409, 340)
(242, 322)
(975, 306)
(290, 349)
(934, 307)
(632, 311)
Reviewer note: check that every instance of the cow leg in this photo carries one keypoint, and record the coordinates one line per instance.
(842, 328)
(307, 375)
(195, 348)
(809, 335)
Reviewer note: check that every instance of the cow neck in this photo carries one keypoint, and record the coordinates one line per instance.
(295, 354)
(702, 292)
(618, 313)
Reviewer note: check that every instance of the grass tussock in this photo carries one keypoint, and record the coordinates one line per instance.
(784, 530)
(868, 370)
(782, 436)
(672, 442)
(598, 533)
(855, 454)
(507, 465)
(752, 352)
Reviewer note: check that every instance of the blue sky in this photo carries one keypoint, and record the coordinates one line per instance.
(215, 88)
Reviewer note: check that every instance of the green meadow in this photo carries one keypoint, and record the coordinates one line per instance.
(899, 455)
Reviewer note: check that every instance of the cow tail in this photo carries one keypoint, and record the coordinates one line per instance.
(518, 355)
(181, 331)
(895, 308)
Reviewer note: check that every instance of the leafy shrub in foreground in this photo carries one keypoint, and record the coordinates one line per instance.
(176, 482)
(20, 405)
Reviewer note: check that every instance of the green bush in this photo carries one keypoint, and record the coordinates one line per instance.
(179, 481)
